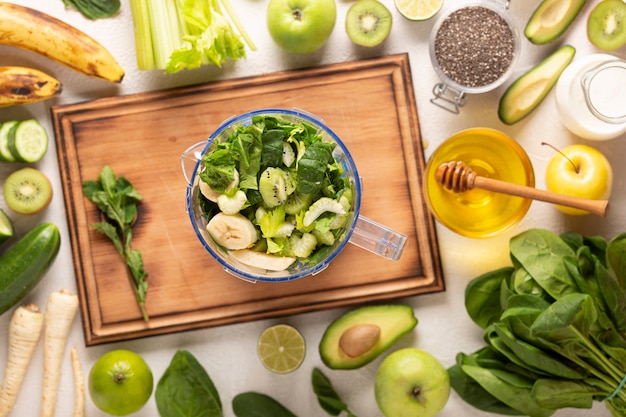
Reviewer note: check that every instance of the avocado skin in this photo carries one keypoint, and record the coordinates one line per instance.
(394, 321)
(539, 35)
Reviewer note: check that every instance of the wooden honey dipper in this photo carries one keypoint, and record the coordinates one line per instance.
(458, 177)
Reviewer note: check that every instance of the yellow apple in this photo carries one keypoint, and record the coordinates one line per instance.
(580, 171)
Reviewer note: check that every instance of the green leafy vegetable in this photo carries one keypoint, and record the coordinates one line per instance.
(117, 199)
(255, 404)
(94, 9)
(186, 390)
(327, 397)
(555, 328)
(174, 35)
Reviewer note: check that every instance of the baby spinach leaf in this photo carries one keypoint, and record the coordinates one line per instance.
(558, 393)
(482, 296)
(540, 252)
(95, 9)
(567, 320)
(518, 397)
(327, 397)
(272, 153)
(616, 258)
(312, 167)
(255, 404)
(186, 390)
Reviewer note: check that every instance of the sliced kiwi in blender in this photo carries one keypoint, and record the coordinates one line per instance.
(27, 191)
(368, 23)
(605, 25)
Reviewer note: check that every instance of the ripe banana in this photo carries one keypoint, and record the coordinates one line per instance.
(21, 85)
(38, 32)
(262, 260)
(232, 231)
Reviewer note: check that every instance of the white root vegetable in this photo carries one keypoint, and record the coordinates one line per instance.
(79, 384)
(59, 315)
(24, 332)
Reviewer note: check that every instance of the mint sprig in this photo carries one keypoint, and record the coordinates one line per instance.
(117, 199)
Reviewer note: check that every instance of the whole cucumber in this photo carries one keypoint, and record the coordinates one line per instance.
(26, 263)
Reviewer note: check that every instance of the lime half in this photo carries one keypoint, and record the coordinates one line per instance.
(281, 348)
(418, 9)
(6, 227)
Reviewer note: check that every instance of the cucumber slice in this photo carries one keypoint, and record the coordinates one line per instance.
(5, 152)
(529, 90)
(28, 141)
(6, 227)
(551, 19)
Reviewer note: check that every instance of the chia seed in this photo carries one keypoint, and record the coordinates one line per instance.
(474, 46)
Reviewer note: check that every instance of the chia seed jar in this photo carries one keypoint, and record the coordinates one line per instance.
(473, 49)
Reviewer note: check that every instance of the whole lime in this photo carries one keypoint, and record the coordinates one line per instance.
(120, 382)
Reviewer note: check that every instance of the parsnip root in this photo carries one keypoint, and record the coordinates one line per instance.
(59, 315)
(24, 332)
(79, 384)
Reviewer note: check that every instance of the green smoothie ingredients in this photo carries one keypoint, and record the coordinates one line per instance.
(94, 9)
(178, 35)
(327, 397)
(117, 199)
(273, 194)
(554, 325)
(249, 404)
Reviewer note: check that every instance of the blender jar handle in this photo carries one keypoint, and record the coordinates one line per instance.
(190, 158)
(377, 238)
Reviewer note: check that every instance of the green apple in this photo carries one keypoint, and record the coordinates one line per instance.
(411, 382)
(301, 26)
(579, 171)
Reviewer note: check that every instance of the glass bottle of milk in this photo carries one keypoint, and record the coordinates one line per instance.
(591, 97)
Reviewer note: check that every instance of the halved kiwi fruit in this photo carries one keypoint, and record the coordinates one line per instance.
(368, 23)
(606, 25)
(27, 191)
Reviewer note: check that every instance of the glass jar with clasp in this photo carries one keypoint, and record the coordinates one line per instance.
(590, 99)
(473, 49)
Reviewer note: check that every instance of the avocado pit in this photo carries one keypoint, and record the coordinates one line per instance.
(358, 339)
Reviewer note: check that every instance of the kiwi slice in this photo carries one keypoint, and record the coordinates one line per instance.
(273, 187)
(605, 25)
(368, 23)
(27, 191)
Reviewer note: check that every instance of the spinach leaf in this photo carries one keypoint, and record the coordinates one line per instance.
(327, 397)
(558, 393)
(616, 258)
(482, 296)
(186, 390)
(255, 404)
(541, 253)
(94, 9)
(272, 153)
(219, 170)
(567, 320)
(312, 167)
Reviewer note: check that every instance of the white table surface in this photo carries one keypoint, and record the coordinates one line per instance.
(228, 353)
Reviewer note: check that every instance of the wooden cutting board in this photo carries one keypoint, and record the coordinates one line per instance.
(370, 104)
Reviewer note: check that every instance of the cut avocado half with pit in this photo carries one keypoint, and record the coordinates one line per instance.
(550, 19)
(361, 335)
(529, 90)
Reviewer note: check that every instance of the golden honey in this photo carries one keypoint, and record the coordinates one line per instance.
(479, 213)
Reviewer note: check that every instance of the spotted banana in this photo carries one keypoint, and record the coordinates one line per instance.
(38, 32)
(21, 85)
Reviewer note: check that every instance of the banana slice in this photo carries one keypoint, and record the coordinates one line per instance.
(262, 260)
(232, 231)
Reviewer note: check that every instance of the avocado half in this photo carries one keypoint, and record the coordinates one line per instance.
(550, 19)
(392, 322)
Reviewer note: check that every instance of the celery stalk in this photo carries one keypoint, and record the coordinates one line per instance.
(235, 19)
(143, 36)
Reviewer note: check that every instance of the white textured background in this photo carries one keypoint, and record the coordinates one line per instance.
(229, 353)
